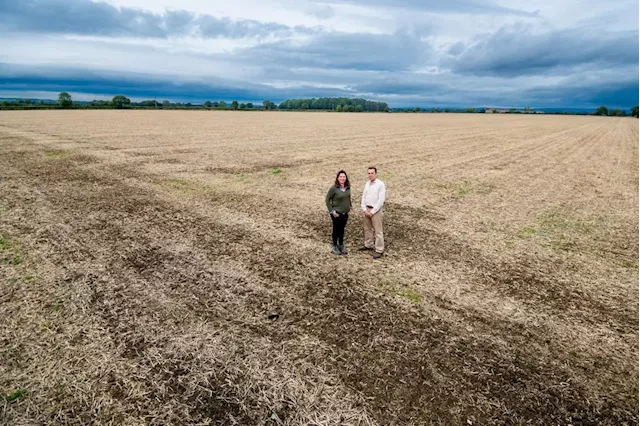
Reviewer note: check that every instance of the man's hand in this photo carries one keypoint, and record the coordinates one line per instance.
(368, 213)
(335, 214)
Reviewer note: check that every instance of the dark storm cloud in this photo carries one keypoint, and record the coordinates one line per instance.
(56, 79)
(373, 52)
(85, 17)
(403, 86)
(518, 50)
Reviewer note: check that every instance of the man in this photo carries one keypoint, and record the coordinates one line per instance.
(372, 200)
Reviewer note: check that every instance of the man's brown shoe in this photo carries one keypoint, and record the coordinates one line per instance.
(365, 249)
(377, 255)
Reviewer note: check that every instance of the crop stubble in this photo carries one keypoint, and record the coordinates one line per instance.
(154, 246)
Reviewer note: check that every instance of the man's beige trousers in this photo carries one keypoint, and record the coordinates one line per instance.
(373, 237)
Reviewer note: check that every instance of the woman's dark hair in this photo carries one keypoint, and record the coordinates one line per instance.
(346, 182)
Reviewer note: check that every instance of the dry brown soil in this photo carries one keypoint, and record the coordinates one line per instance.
(163, 267)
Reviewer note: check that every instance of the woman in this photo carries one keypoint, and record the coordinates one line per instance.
(339, 205)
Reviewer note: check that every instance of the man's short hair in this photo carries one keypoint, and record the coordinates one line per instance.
(373, 168)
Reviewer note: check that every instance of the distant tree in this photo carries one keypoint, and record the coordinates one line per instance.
(166, 104)
(215, 104)
(99, 103)
(339, 108)
(634, 111)
(222, 105)
(305, 106)
(120, 102)
(243, 106)
(617, 113)
(512, 110)
(447, 110)
(188, 105)
(359, 108)
(272, 105)
(527, 108)
(64, 100)
(471, 110)
(234, 105)
(602, 110)
(386, 108)
(332, 104)
(266, 104)
(150, 103)
(351, 108)
(208, 104)
(417, 109)
(249, 105)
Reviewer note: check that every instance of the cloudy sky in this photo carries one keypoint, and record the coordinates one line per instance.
(546, 53)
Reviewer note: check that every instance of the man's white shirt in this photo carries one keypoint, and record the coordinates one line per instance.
(373, 195)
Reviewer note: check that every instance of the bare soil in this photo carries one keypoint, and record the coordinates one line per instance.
(163, 267)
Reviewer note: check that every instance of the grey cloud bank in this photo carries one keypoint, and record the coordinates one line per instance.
(347, 51)
(97, 18)
(518, 50)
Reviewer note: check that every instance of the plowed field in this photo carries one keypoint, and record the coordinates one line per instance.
(164, 267)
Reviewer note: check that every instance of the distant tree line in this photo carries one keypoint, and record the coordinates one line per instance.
(602, 110)
(443, 110)
(235, 105)
(27, 104)
(440, 110)
(616, 112)
(223, 105)
(122, 102)
(65, 101)
(334, 104)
